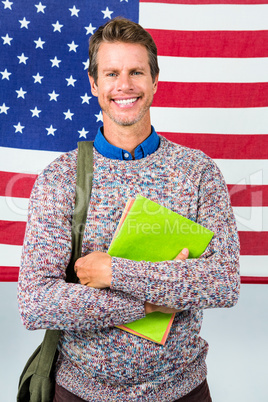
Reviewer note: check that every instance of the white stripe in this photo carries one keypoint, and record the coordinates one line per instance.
(247, 218)
(203, 17)
(254, 265)
(10, 255)
(251, 218)
(235, 171)
(13, 209)
(205, 69)
(211, 120)
(241, 171)
(25, 160)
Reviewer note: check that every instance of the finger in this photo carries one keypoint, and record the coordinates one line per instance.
(79, 261)
(183, 255)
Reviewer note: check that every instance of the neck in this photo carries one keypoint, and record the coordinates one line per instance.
(126, 137)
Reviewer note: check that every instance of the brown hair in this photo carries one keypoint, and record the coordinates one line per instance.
(121, 30)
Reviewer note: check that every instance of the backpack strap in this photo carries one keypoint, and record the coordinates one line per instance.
(84, 175)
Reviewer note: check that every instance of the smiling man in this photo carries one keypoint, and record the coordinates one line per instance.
(97, 361)
(125, 89)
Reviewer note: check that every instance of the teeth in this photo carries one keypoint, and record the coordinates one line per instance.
(125, 101)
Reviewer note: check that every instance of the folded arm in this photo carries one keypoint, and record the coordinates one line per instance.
(95, 270)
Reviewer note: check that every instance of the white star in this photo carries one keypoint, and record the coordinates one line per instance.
(24, 23)
(123, 0)
(57, 26)
(90, 29)
(53, 96)
(83, 133)
(72, 46)
(18, 128)
(7, 40)
(35, 112)
(37, 78)
(40, 7)
(4, 108)
(99, 117)
(50, 130)
(86, 64)
(107, 13)
(55, 62)
(74, 11)
(22, 58)
(85, 98)
(7, 4)
(70, 81)
(39, 43)
(21, 93)
(68, 115)
(5, 74)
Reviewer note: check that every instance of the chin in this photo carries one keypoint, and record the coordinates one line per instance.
(126, 121)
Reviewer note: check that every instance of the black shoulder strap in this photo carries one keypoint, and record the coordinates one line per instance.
(84, 175)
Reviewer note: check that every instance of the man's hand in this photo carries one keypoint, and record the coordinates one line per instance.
(183, 254)
(150, 308)
(94, 270)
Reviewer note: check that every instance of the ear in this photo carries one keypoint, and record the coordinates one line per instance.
(155, 83)
(94, 86)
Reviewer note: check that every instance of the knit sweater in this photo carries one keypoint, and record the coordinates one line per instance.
(97, 361)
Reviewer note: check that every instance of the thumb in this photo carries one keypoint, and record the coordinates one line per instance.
(183, 255)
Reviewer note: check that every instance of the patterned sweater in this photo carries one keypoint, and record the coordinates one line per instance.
(97, 361)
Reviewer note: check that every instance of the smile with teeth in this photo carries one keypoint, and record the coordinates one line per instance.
(125, 101)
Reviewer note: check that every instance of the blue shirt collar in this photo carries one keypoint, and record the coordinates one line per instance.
(147, 147)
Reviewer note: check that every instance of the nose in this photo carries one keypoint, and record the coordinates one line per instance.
(124, 82)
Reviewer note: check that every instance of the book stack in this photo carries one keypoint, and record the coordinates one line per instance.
(148, 231)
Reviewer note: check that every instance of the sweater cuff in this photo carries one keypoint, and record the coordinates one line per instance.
(128, 277)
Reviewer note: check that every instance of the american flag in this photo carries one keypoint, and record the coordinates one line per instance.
(212, 95)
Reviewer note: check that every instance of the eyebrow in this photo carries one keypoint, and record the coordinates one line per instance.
(114, 69)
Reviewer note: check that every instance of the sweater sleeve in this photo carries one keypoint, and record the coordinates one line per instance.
(45, 299)
(210, 281)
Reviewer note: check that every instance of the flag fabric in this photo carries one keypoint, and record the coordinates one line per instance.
(212, 95)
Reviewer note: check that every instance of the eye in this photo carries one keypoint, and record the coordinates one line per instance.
(111, 75)
(136, 73)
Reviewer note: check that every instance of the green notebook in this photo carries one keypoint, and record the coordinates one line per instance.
(148, 231)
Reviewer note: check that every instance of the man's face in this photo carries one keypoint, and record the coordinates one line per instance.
(125, 88)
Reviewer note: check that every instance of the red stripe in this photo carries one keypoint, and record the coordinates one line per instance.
(256, 280)
(253, 243)
(241, 195)
(205, 1)
(248, 196)
(222, 146)
(9, 274)
(12, 232)
(210, 43)
(16, 184)
(211, 95)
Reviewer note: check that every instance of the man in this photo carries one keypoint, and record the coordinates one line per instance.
(98, 362)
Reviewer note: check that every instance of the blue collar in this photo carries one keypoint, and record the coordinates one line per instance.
(110, 151)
